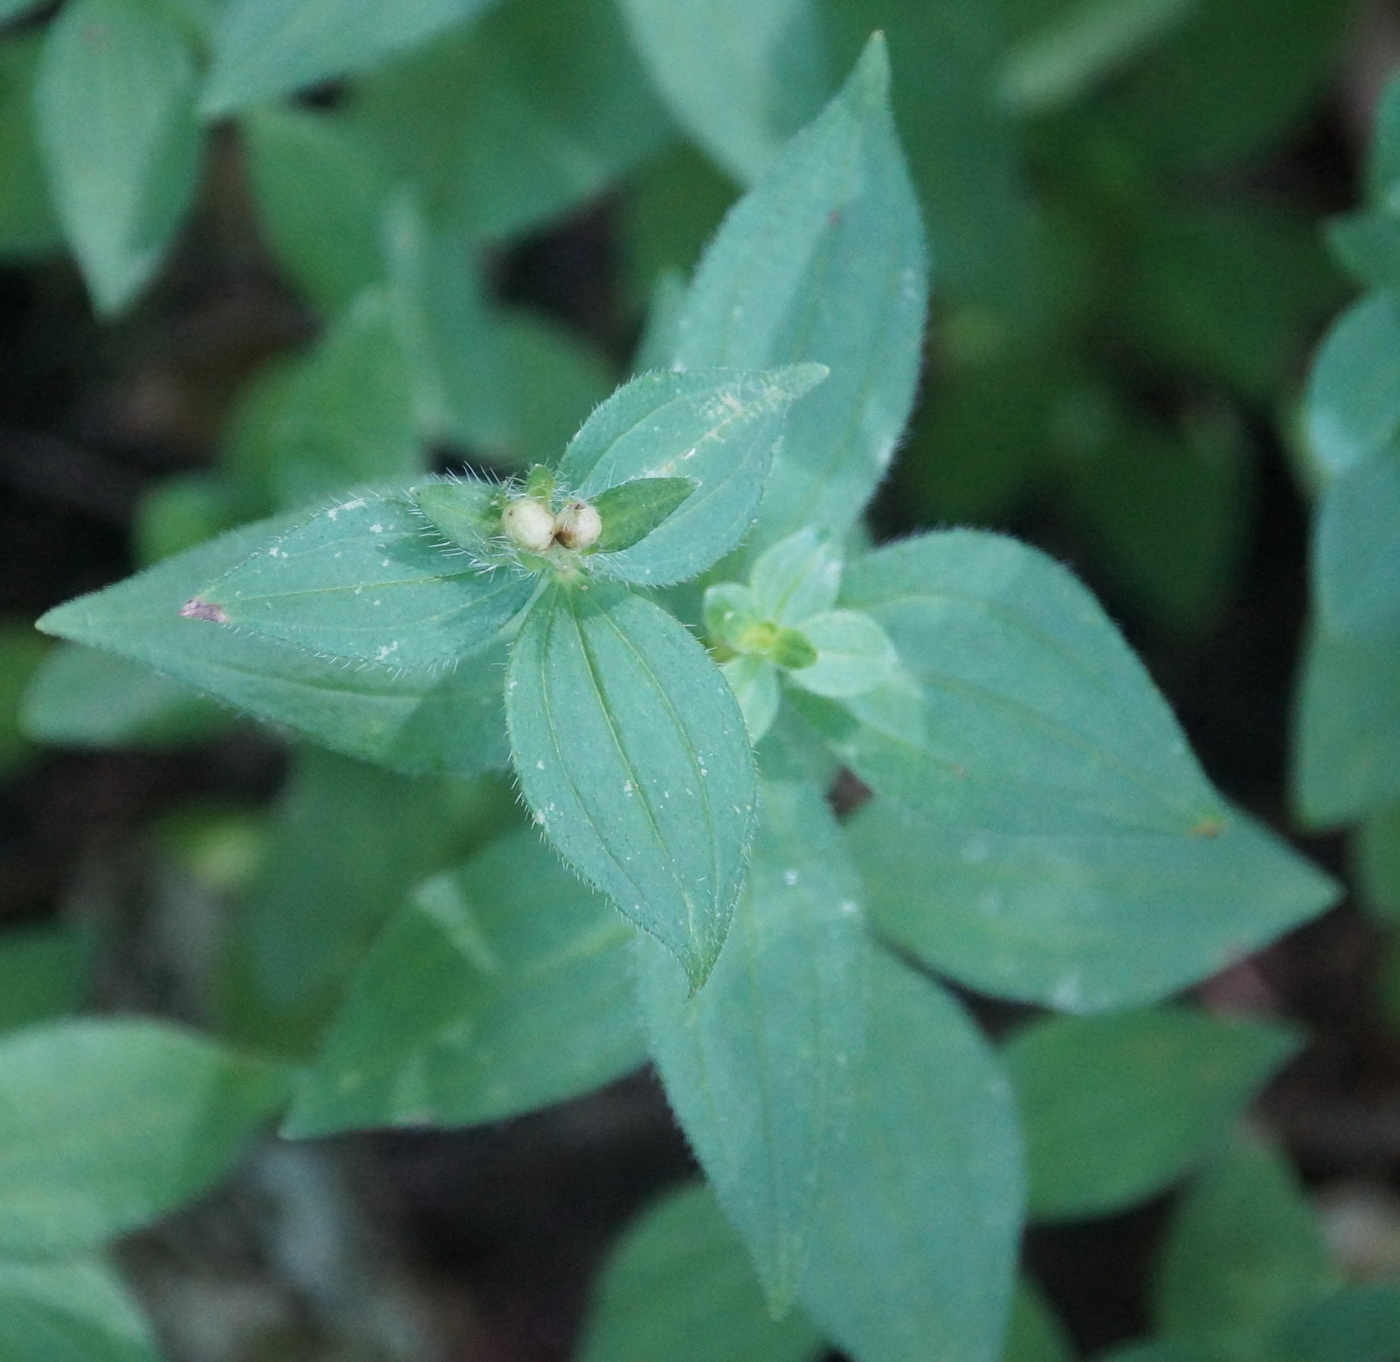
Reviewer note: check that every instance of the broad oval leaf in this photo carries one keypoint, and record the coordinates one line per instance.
(716, 427)
(364, 581)
(503, 986)
(679, 1286)
(1058, 841)
(115, 102)
(756, 1064)
(81, 1161)
(1356, 569)
(1116, 1107)
(914, 1251)
(823, 261)
(740, 78)
(264, 48)
(416, 722)
(853, 655)
(76, 1310)
(796, 578)
(632, 753)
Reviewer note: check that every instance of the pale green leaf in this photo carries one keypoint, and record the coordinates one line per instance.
(413, 722)
(823, 261)
(81, 1161)
(115, 103)
(264, 48)
(28, 225)
(82, 697)
(739, 78)
(71, 1311)
(364, 581)
(914, 1251)
(854, 655)
(796, 578)
(1244, 1253)
(319, 198)
(1361, 1324)
(504, 985)
(1116, 1107)
(754, 681)
(756, 1064)
(1377, 860)
(533, 111)
(717, 428)
(1356, 558)
(679, 1286)
(633, 756)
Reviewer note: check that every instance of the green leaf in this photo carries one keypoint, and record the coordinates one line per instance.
(43, 974)
(854, 655)
(1154, 1350)
(27, 222)
(81, 697)
(1347, 726)
(632, 510)
(1352, 408)
(633, 755)
(754, 681)
(363, 581)
(1244, 1253)
(1356, 561)
(532, 112)
(756, 1064)
(679, 1286)
(1068, 848)
(348, 843)
(346, 414)
(717, 428)
(503, 986)
(465, 511)
(1117, 1107)
(72, 1311)
(115, 104)
(264, 48)
(1358, 1325)
(319, 199)
(414, 722)
(80, 1161)
(185, 509)
(740, 80)
(1035, 1334)
(914, 1250)
(823, 261)
(1082, 45)
(1368, 246)
(22, 656)
(796, 578)
(1377, 860)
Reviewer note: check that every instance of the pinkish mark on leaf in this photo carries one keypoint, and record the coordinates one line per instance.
(196, 609)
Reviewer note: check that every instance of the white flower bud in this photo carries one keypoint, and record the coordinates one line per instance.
(529, 524)
(579, 525)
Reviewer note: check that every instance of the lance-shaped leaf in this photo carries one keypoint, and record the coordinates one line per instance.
(757, 1063)
(80, 1161)
(413, 721)
(115, 104)
(914, 1252)
(680, 1286)
(717, 428)
(70, 1310)
(632, 753)
(824, 261)
(366, 581)
(503, 986)
(1065, 845)
(632, 510)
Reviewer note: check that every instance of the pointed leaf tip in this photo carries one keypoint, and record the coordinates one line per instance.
(871, 75)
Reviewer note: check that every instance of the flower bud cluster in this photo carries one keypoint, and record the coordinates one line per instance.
(529, 524)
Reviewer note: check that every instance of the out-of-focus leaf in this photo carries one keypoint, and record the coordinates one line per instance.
(27, 222)
(679, 1286)
(76, 1310)
(415, 722)
(1368, 246)
(833, 220)
(43, 974)
(184, 510)
(1035, 1334)
(1116, 1107)
(1243, 1255)
(1356, 558)
(634, 757)
(22, 657)
(1377, 857)
(264, 48)
(533, 111)
(115, 105)
(503, 986)
(914, 1250)
(740, 79)
(756, 1064)
(320, 200)
(673, 206)
(1359, 1325)
(81, 1161)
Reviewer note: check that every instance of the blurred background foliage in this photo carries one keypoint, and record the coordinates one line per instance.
(253, 252)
